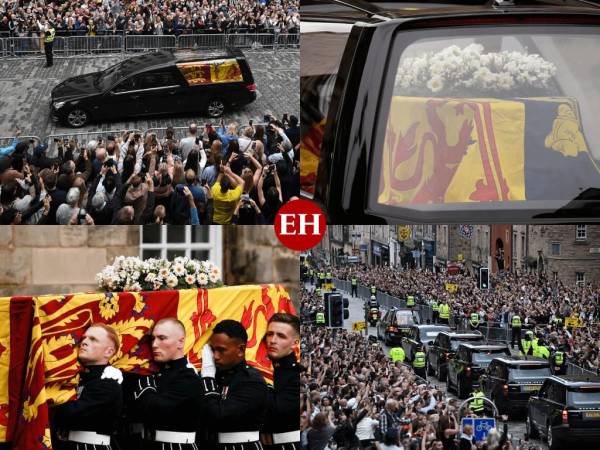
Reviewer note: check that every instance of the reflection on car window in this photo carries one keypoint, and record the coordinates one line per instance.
(126, 85)
(156, 80)
(493, 116)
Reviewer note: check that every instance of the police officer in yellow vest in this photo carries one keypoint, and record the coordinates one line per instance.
(477, 405)
(397, 354)
(321, 279)
(541, 351)
(373, 290)
(474, 321)
(526, 344)
(318, 291)
(410, 301)
(435, 308)
(558, 362)
(444, 313)
(557, 322)
(515, 324)
(354, 292)
(320, 318)
(328, 278)
(49, 32)
(311, 274)
(419, 363)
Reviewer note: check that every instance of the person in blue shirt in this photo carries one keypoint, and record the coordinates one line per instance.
(10, 149)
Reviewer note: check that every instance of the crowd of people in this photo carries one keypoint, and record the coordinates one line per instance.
(215, 175)
(354, 397)
(543, 305)
(144, 17)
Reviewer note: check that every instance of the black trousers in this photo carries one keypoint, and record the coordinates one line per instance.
(288, 446)
(48, 50)
(516, 336)
(420, 371)
(354, 291)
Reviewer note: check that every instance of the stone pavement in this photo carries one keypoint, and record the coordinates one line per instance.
(25, 86)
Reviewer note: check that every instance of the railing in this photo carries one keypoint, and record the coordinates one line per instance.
(118, 43)
(5, 141)
(82, 138)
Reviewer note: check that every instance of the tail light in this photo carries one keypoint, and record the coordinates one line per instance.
(394, 329)
(565, 416)
(505, 390)
(468, 371)
(251, 87)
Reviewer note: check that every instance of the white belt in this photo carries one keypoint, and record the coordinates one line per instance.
(175, 437)
(285, 438)
(238, 437)
(89, 437)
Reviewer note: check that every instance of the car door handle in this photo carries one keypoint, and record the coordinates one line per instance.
(135, 97)
(172, 92)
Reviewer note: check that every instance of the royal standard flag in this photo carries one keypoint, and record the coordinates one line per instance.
(444, 150)
(57, 323)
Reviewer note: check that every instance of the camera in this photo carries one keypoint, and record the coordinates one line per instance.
(245, 198)
(109, 163)
(81, 216)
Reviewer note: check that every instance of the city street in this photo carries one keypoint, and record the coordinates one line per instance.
(516, 427)
(25, 86)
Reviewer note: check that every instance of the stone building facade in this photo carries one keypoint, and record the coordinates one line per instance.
(40, 260)
(570, 253)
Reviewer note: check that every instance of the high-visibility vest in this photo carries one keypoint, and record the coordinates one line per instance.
(541, 351)
(318, 291)
(444, 311)
(526, 344)
(410, 301)
(321, 275)
(329, 275)
(559, 358)
(311, 272)
(557, 321)
(49, 35)
(320, 317)
(419, 360)
(397, 354)
(354, 281)
(373, 290)
(474, 319)
(516, 321)
(435, 306)
(534, 343)
(477, 404)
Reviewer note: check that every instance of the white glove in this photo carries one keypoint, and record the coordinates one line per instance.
(209, 369)
(112, 373)
(145, 384)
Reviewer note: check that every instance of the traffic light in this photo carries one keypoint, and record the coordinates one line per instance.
(484, 278)
(336, 310)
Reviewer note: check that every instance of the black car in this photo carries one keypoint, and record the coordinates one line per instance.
(402, 104)
(157, 83)
(395, 324)
(444, 348)
(423, 335)
(566, 411)
(469, 363)
(509, 381)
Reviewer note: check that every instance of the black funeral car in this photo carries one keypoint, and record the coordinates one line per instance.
(469, 363)
(454, 111)
(509, 381)
(566, 411)
(421, 335)
(163, 82)
(443, 349)
(395, 324)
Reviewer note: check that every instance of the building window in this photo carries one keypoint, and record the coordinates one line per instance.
(198, 242)
(581, 233)
(580, 278)
(555, 249)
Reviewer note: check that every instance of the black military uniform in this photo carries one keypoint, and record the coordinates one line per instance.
(88, 422)
(169, 408)
(282, 422)
(234, 406)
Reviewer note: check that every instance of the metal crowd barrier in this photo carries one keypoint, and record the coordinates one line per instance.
(5, 141)
(82, 138)
(573, 369)
(118, 43)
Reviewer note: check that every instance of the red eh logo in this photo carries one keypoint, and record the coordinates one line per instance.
(300, 225)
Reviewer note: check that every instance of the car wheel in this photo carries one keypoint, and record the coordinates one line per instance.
(77, 118)
(216, 107)
(532, 432)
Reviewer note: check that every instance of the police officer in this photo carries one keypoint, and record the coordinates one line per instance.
(541, 351)
(419, 362)
(515, 324)
(311, 274)
(526, 344)
(321, 280)
(167, 402)
(435, 308)
(281, 427)
(354, 282)
(397, 354)
(477, 405)
(558, 361)
(474, 321)
(320, 318)
(88, 422)
(557, 322)
(410, 301)
(235, 395)
(49, 32)
(444, 313)
(373, 290)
